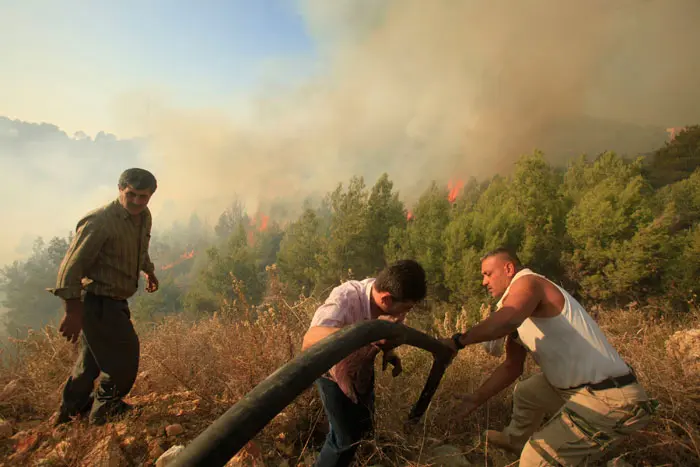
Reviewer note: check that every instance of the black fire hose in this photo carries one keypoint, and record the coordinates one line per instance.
(216, 445)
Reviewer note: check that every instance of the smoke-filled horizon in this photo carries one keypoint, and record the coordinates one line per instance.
(420, 90)
(431, 90)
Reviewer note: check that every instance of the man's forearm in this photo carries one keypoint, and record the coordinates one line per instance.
(148, 267)
(316, 334)
(500, 379)
(69, 280)
(81, 254)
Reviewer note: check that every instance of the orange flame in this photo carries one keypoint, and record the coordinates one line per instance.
(263, 223)
(673, 131)
(454, 188)
(183, 257)
(262, 219)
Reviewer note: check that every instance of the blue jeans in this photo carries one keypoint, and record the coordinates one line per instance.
(348, 421)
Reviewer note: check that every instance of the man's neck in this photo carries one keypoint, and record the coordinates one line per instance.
(374, 309)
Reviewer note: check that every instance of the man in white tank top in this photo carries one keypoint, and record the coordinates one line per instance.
(591, 395)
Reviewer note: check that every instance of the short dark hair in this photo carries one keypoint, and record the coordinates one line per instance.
(404, 280)
(504, 251)
(139, 179)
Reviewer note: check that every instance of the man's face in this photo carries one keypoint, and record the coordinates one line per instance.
(498, 272)
(133, 200)
(392, 309)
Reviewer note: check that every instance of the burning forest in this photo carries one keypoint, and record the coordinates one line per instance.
(565, 132)
(255, 279)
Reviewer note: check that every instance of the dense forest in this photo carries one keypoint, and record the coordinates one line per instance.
(614, 230)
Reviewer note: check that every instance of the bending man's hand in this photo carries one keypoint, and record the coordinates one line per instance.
(391, 358)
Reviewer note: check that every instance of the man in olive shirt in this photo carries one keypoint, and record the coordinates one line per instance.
(105, 259)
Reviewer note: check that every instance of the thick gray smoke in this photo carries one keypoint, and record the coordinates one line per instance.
(432, 89)
(419, 89)
(50, 179)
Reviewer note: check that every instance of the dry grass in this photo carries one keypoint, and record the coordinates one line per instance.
(193, 372)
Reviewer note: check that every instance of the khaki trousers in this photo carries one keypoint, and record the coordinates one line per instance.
(584, 423)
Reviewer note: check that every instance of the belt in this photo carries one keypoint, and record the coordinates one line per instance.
(609, 383)
(108, 297)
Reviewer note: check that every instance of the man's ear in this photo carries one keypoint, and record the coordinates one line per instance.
(386, 300)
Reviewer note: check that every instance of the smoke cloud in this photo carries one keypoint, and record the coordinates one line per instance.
(420, 89)
(50, 179)
(428, 90)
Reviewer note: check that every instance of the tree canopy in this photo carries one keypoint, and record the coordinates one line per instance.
(613, 230)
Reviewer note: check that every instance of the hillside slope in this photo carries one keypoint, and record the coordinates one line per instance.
(192, 372)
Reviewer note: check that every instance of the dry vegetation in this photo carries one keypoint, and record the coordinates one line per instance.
(192, 372)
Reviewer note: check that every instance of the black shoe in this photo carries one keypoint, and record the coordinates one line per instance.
(63, 416)
(60, 417)
(109, 410)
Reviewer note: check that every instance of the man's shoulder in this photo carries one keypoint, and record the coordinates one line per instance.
(98, 215)
(528, 276)
(347, 293)
(346, 286)
(544, 289)
(527, 282)
(340, 293)
(350, 287)
(368, 281)
(542, 284)
(343, 305)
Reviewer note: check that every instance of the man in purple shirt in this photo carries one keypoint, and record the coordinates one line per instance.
(347, 390)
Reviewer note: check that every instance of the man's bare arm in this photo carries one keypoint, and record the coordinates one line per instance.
(506, 373)
(315, 334)
(522, 300)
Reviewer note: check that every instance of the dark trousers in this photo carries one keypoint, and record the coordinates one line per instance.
(348, 421)
(109, 349)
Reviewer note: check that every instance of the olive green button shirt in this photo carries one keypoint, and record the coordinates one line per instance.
(108, 252)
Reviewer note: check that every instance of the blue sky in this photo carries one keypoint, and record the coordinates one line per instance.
(70, 62)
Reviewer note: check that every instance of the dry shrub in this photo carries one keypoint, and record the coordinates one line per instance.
(193, 371)
(31, 379)
(641, 338)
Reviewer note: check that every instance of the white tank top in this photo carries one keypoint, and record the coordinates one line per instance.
(570, 348)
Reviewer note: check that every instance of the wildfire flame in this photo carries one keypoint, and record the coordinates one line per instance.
(259, 220)
(454, 188)
(673, 131)
(183, 257)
